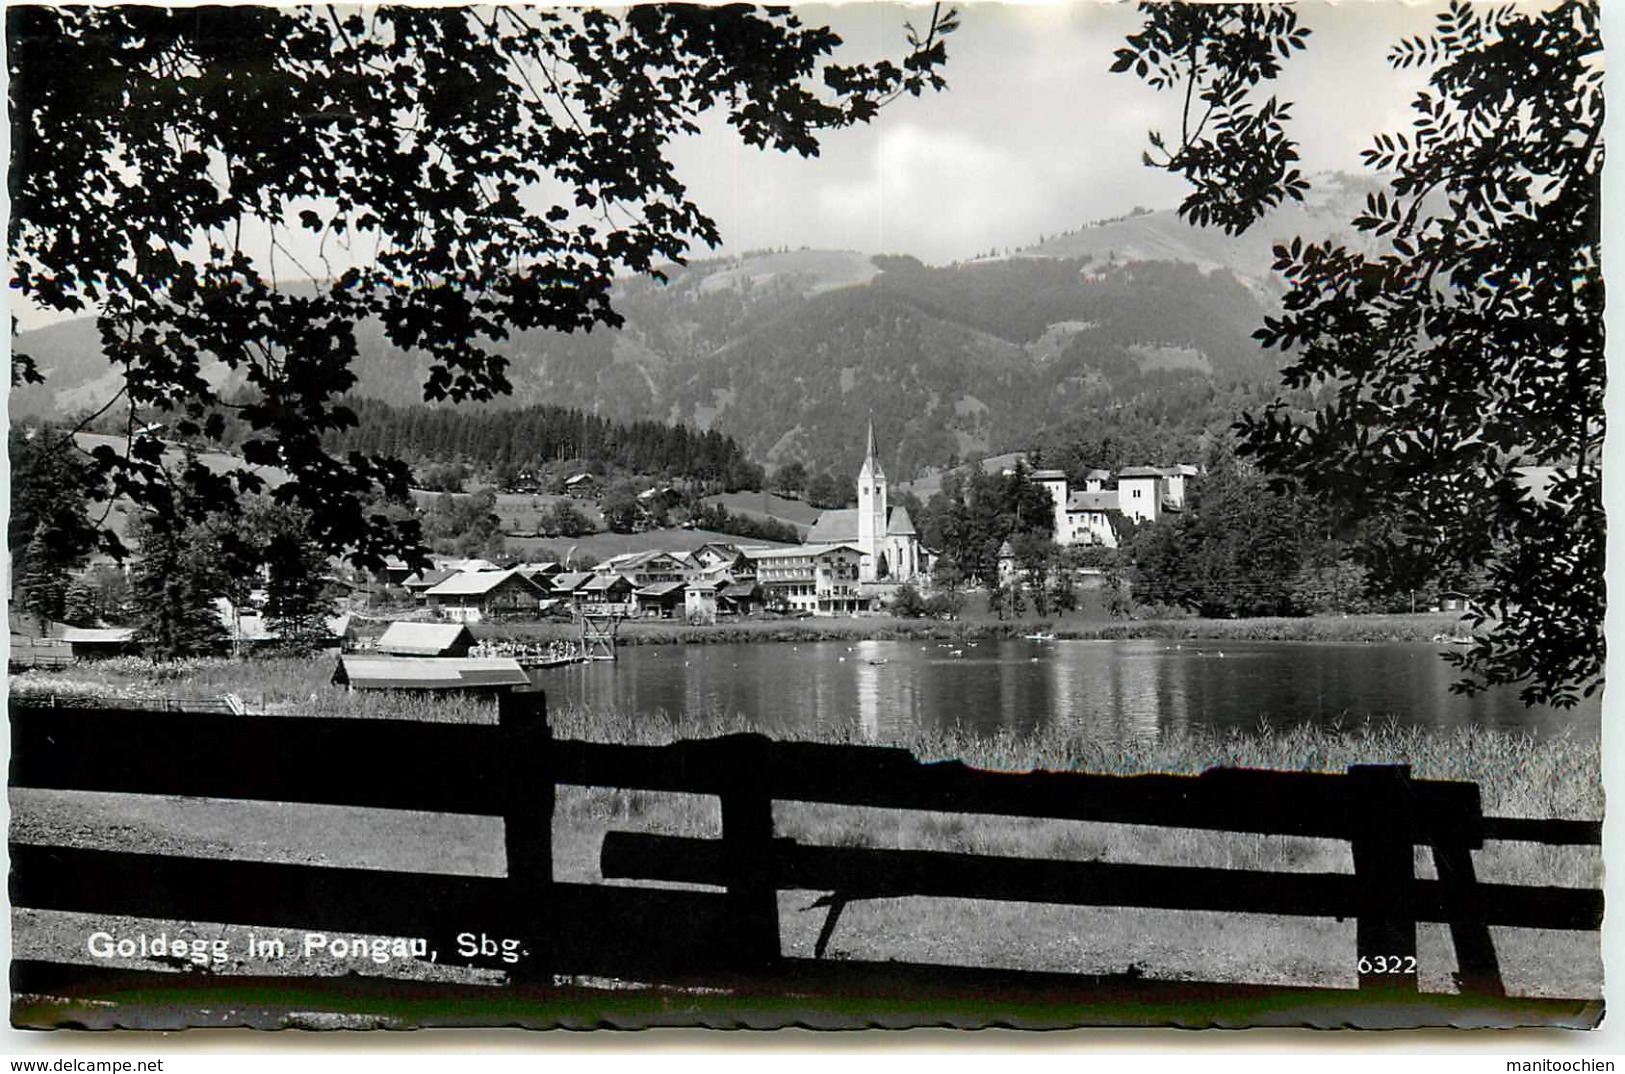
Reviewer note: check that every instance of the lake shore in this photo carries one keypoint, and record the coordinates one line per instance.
(1418, 627)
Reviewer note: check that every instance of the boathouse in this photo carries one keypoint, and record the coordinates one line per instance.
(426, 639)
(421, 674)
(95, 642)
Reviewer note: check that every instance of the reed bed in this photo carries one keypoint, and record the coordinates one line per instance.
(1520, 775)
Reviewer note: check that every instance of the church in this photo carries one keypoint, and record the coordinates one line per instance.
(884, 534)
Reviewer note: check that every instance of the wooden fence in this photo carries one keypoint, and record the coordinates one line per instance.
(225, 703)
(729, 941)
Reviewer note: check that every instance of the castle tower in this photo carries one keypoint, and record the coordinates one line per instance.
(872, 513)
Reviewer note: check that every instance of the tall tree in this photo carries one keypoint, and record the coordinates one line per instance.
(41, 583)
(972, 517)
(460, 173)
(296, 601)
(173, 586)
(791, 478)
(620, 507)
(1462, 364)
(49, 530)
(1239, 553)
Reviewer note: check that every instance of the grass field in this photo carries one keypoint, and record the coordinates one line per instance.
(1558, 777)
(794, 512)
(521, 513)
(604, 545)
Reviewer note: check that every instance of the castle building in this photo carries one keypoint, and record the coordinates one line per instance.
(883, 534)
(1088, 516)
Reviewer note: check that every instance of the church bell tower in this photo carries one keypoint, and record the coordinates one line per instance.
(872, 511)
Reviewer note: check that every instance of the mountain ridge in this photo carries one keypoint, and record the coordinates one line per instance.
(792, 352)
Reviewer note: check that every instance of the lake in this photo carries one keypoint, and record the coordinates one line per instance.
(1133, 690)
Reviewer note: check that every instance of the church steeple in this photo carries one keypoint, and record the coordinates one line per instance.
(871, 464)
(872, 508)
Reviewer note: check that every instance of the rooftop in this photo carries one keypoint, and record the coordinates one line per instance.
(428, 673)
(423, 639)
(801, 551)
(426, 579)
(839, 527)
(476, 583)
(1092, 501)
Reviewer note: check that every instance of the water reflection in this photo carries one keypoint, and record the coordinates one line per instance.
(868, 683)
(1128, 690)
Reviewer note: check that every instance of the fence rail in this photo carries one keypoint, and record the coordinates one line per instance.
(512, 770)
(225, 703)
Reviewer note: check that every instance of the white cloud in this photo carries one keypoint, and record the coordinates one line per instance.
(1034, 135)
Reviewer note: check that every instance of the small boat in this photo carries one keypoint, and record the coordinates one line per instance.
(1454, 639)
(878, 660)
(1039, 637)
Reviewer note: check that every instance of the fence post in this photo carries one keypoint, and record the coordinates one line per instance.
(747, 847)
(527, 829)
(1478, 970)
(1383, 838)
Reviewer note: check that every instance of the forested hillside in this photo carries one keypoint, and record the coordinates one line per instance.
(790, 353)
(527, 438)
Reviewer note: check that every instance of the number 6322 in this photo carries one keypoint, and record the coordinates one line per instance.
(1387, 964)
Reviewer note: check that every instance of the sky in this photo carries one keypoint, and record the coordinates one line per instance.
(1033, 136)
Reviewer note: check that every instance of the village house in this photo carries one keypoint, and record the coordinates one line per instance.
(395, 571)
(244, 625)
(717, 554)
(700, 602)
(661, 600)
(247, 627)
(821, 579)
(567, 586)
(539, 572)
(606, 593)
(471, 596)
(739, 598)
(650, 568)
(420, 583)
